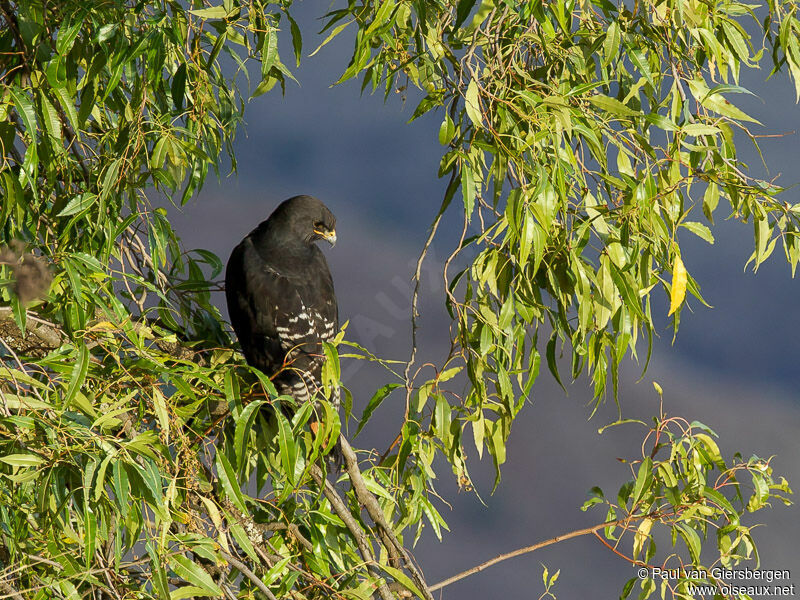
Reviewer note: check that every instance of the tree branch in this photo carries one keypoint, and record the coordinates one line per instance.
(526, 550)
(245, 570)
(10, 591)
(48, 335)
(344, 514)
(368, 500)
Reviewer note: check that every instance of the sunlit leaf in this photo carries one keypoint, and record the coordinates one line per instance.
(678, 290)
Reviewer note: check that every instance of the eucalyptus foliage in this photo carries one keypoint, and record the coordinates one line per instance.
(139, 456)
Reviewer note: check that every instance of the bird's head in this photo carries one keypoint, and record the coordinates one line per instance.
(308, 219)
(325, 229)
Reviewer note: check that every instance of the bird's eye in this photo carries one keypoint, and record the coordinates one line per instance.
(319, 226)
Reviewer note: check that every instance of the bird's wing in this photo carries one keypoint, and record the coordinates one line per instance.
(307, 317)
(252, 300)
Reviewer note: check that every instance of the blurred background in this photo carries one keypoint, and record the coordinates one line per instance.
(735, 367)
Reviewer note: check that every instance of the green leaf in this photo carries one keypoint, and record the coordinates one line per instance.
(159, 575)
(244, 425)
(381, 18)
(713, 100)
(22, 460)
(697, 129)
(20, 314)
(376, 400)
(467, 189)
(68, 104)
(710, 200)
(484, 10)
(462, 11)
(51, 121)
(227, 478)
(607, 296)
(691, 539)
(67, 33)
(279, 569)
(194, 574)
(721, 501)
(497, 447)
(178, 87)
(472, 104)
(551, 359)
(23, 403)
(110, 180)
(100, 478)
(160, 406)
(699, 230)
(89, 535)
(442, 419)
(287, 446)
(644, 480)
(332, 362)
(68, 590)
(78, 204)
(269, 53)
(478, 431)
(297, 38)
(26, 110)
(661, 121)
(446, 131)
(78, 375)
(403, 579)
(612, 105)
(241, 538)
(121, 487)
(215, 12)
(611, 43)
(336, 31)
(639, 59)
(527, 235)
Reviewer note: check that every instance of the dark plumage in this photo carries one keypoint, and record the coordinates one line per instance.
(280, 296)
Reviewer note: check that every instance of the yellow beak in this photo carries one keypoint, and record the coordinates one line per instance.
(330, 236)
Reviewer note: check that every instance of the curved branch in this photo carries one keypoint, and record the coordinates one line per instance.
(415, 299)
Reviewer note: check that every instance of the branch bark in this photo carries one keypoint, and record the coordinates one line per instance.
(46, 336)
(42, 336)
(364, 546)
(245, 570)
(527, 550)
(370, 503)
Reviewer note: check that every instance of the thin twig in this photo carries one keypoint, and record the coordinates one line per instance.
(525, 550)
(414, 312)
(633, 561)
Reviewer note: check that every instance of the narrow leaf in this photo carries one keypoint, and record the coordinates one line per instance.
(678, 291)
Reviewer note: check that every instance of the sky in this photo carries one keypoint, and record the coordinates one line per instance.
(734, 367)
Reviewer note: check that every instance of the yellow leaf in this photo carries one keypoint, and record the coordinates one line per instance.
(678, 292)
(642, 535)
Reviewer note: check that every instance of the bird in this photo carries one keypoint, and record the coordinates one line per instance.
(281, 299)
